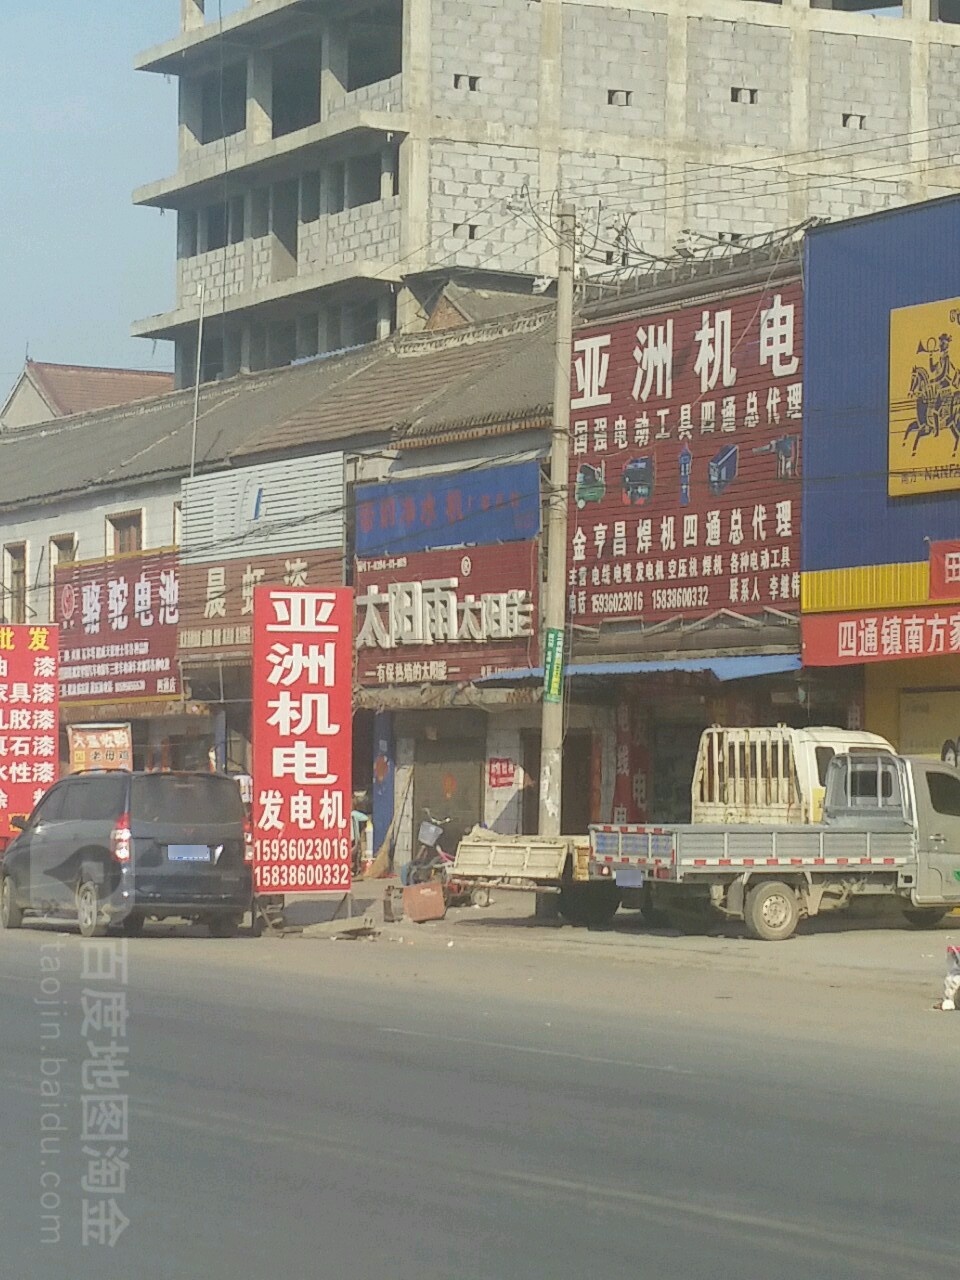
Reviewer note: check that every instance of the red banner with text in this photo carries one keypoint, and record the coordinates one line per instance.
(685, 462)
(883, 635)
(29, 721)
(302, 739)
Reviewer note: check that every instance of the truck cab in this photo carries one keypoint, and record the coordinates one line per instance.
(770, 774)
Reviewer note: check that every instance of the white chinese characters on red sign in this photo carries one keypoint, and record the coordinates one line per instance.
(841, 639)
(302, 736)
(29, 722)
(685, 462)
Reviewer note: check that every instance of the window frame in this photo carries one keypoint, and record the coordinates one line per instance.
(9, 597)
(112, 532)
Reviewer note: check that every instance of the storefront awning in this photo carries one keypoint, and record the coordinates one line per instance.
(740, 667)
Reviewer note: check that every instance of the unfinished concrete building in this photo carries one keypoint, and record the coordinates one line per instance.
(340, 160)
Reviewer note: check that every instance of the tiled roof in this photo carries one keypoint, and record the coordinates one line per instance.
(413, 385)
(74, 388)
(404, 390)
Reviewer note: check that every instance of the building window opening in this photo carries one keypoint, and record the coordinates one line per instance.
(948, 11)
(224, 111)
(746, 97)
(465, 230)
(853, 120)
(237, 219)
(296, 87)
(63, 550)
(260, 211)
(310, 197)
(470, 83)
(216, 227)
(619, 97)
(15, 595)
(211, 363)
(730, 237)
(363, 180)
(187, 233)
(375, 46)
(124, 533)
(335, 188)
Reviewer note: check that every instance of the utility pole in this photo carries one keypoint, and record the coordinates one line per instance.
(555, 595)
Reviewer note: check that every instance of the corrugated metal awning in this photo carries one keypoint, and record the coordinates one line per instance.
(738, 667)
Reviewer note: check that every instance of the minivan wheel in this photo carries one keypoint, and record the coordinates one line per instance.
(225, 925)
(11, 917)
(88, 910)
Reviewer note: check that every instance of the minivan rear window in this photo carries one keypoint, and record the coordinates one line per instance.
(190, 799)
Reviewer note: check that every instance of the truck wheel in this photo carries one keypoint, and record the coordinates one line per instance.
(924, 917)
(603, 902)
(573, 903)
(771, 911)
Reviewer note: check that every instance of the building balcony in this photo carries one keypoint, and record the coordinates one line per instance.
(354, 244)
(372, 112)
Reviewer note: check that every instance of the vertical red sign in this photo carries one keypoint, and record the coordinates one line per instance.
(302, 738)
(29, 719)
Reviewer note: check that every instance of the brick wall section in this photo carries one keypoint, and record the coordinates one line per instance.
(464, 180)
(863, 75)
(612, 185)
(620, 49)
(725, 198)
(221, 271)
(368, 231)
(497, 40)
(722, 56)
(383, 95)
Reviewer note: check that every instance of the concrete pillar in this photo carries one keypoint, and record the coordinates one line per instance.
(799, 106)
(191, 14)
(384, 316)
(245, 347)
(334, 66)
(922, 10)
(549, 111)
(190, 112)
(259, 98)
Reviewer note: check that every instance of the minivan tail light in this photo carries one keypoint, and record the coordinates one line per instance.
(247, 841)
(120, 839)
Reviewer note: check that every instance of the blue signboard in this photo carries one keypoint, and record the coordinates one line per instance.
(456, 509)
(859, 274)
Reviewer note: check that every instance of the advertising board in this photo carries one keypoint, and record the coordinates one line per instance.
(100, 746)
(118, 620)
(446, 615)
(685, 461)
(455, 509)
(302, 739)
(29, 721)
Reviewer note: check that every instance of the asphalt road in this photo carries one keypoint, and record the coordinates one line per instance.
(366, 1110)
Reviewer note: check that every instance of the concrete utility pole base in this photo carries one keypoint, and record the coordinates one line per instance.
(555, 593)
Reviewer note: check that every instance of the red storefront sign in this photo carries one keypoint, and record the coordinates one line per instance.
(945, 570)
(882, 635)
(29, 719)
(302, 739)
(447, 615)
(118, 627)
(685, 462)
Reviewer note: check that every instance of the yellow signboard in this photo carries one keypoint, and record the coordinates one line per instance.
(924, 422)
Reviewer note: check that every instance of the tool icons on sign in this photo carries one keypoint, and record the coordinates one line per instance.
(637, 481)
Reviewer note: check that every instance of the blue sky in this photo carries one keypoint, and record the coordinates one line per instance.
(79, 129)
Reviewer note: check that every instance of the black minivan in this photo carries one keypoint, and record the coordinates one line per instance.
(113, 848)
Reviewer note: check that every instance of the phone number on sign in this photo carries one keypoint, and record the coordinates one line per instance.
(617, 602)
(681, 598)
(295, 849)
(305, 875)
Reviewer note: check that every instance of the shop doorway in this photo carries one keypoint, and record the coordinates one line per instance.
(448, 780)
(577, 809)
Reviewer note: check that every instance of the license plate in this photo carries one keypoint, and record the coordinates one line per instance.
(630, 878)
(188, 853)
